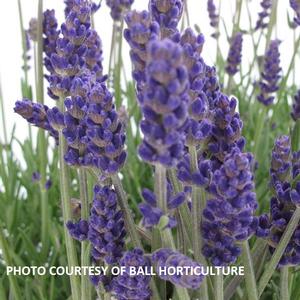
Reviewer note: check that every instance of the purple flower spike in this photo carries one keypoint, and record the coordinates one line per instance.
(167, 14)
(213, 16)
(118, 8)
(78, 230)
(281, 160)
(271, 74)
(164, 104)
(32, 30)
(106, 226)
(262, 23)
(36, 114)
(235, 54)
(70, 3)
(295, 5)
(296, 107)
(129, 287)
(227, 127)
(166, 258)
(229, 217)
(141, 30)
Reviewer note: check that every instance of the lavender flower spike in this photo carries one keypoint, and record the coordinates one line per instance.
(229, 217)
(128, 287)
(164, 104)
(261, 23)
(166, 258)
(271, 74)
(32, 30)
(106, 226)
(295, 5)
(118, 8)
(141, 30)
(296, 107)
(36, 114)
(213, 16)
(167, 14)
(235, 54)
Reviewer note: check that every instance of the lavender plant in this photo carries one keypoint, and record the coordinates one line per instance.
(171, 168)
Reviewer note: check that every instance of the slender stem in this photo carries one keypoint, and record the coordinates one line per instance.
(85, 245)
(14, 287)
(67, 215)
(284, 283)
(166, 235)
(266, 276)
(259, 130)
(218, 285)
(23, 36)
(129, 222)
(161, 187)
(42, 142)
(272, 21)
(249, 272)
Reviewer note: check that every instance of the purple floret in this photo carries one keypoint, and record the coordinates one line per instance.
(263, 16)
(167, 14)
(118, 8)
(168, 258)
(296, 107)
(78, 230)
(213, 16)
(132, 287)
(295, 5)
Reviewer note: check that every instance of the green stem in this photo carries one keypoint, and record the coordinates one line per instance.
(284, 283)
(85, 245)
(67, 215)
(42, 142)
(271, 267)
(160, 187)
(249, 272)
(14, 287)
(218, 286)
(259, 130)
(272, 22)
(166, 235)
(123, 203)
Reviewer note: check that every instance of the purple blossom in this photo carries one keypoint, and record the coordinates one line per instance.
(36, 114)
(235, 54)
(48, 184)
(296, 107)
(270, 75)
(227, 127)
(36, 176)
(295, 5)
(128, 287)
(262, 23)
(213, 16)
(33, 29)
(78, 230)
(281, 164)
(164, 104)
(141, 30)
(167, 14)
(152, 213)
(229, 217)
(166, 258)
(106, 230)
(200, 177)
(118, 8)
(70, 4)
